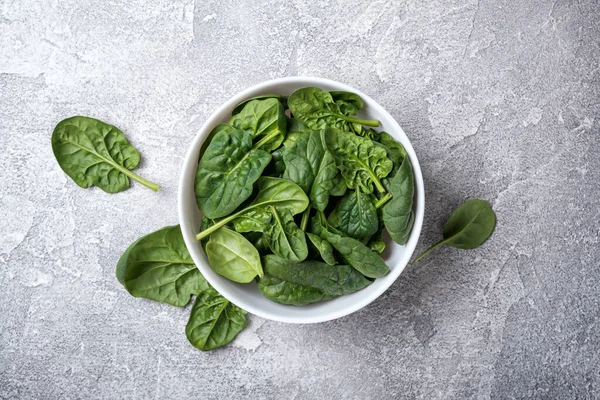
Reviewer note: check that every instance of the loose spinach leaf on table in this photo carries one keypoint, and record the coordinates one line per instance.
(159, 267)
(468, 227)
(284, 237)
(398, 215)
(230, 254)
(240, 106)
(214, 321)
(355, 215)
(281, 193)
(316, 109)
(265, 119)
(323, 247)
(312, 167)
(307, 282)
(363, 164)
(226, 172)
(95, 153)
(358, 255)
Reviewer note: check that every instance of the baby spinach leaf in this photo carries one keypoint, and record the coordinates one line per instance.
(323, 247)
(362, 163)
(288, 282)
(296, 127)
(214, 321)
(95, 153)
(252, 221)
(395, 151)
(240, 106)
(348, 97)
(159, 267)
(230, 254)
(284, 237)
(312, 167)
(227, 171)
(468, 227)
(281, 193)
(355, 215)
(376, 242)
(359, 256)
(397, 213)
(316, 109)
(265, 119)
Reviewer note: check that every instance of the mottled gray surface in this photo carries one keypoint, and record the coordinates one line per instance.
(501, 100)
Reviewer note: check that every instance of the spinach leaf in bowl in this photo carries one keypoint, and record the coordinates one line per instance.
(307, 282)
(226, 172)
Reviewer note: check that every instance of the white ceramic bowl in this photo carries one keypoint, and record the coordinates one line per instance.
(247, 296)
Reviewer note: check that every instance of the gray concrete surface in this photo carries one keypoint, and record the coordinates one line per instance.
(501, 100)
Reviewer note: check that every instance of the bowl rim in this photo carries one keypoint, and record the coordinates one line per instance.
(190, 162)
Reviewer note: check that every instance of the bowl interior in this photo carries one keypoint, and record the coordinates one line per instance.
(247, 296)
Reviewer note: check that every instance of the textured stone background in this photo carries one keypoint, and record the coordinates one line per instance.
(501, 100)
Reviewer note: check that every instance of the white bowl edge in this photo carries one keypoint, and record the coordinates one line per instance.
(247, 296)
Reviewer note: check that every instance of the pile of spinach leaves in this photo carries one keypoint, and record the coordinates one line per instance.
(296, 193)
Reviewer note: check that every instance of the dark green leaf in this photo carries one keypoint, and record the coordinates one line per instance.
(227, 171)
(362, 162)
(284, 237)
(240, 106)
(312, 167)
(395, 151)
(92, 152)
(397, 213)
(348, 97)
(265, 119)
(355, 215)
(230, 254)
(281, 193)
(468, 227)
(323, 247)
(214, 321)
(307, 282)
(158, 267)
(316, 109)
(363, 259)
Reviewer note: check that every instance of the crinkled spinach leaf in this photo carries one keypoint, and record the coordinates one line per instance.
(362, 163)
(227, 171)
(159, 267)
(95, 153)
(230, 254)
(316, 109)
(214, 321)
(288, 282)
